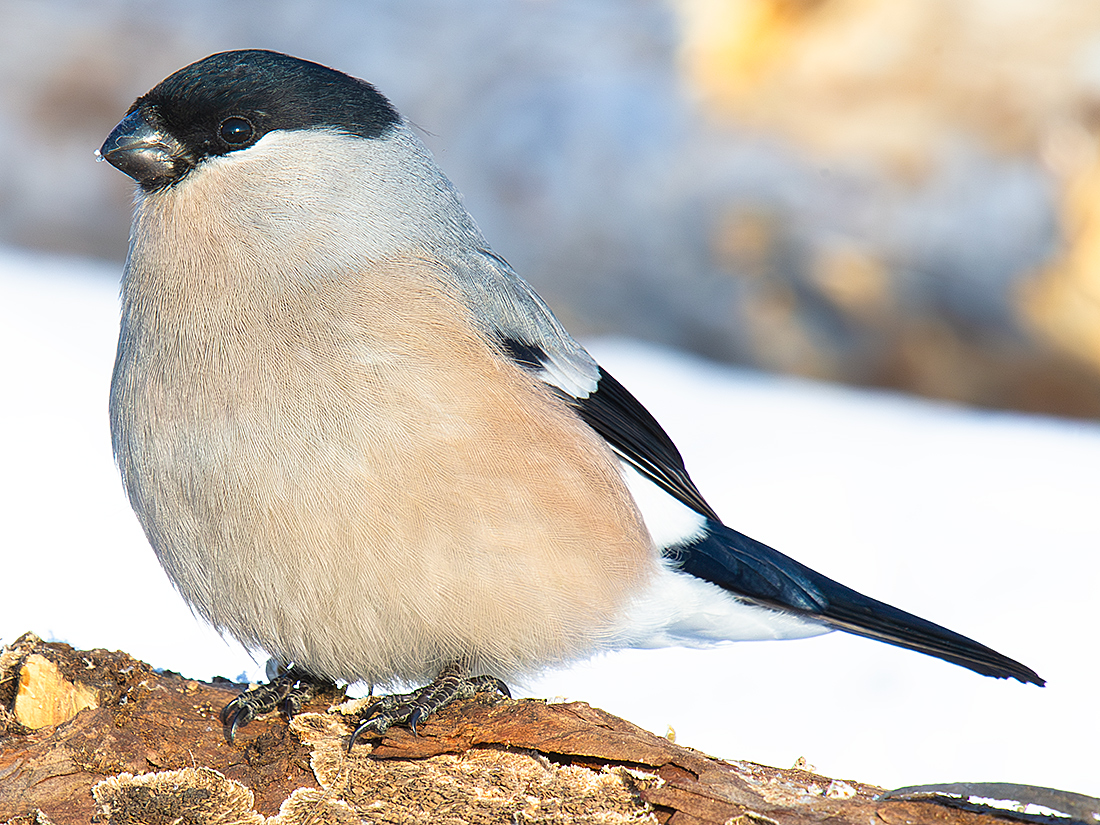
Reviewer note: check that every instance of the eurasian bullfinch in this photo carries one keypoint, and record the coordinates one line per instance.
(357, 440)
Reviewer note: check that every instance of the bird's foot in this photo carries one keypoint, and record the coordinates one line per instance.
(287, 691)
(412, 708)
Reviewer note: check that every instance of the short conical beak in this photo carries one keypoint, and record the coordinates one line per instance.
(146, 154)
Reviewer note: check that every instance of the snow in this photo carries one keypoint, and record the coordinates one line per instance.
(985, 522)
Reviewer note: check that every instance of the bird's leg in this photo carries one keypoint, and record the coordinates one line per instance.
(288, 691)
(453, 682)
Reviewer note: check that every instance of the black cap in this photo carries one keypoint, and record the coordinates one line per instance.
(230, 100)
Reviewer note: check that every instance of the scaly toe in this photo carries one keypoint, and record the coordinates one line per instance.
(413, 708)
(289, 692)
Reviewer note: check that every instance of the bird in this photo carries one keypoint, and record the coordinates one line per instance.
(357, 440)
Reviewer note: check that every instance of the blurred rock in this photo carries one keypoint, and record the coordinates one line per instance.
(1062, 301)
(952, 244)
(900, 193)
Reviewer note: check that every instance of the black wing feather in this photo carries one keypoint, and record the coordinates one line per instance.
(625, 424)
(636, 436)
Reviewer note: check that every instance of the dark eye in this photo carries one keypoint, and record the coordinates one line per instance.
(236, 131)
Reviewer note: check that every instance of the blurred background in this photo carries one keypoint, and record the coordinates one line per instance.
(892, 193)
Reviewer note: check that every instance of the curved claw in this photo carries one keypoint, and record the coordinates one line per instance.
(415, 717)
(229, 709)
(240, 717)
(378, 724)
(376, 707)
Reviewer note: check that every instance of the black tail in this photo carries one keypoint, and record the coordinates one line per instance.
(756, 572)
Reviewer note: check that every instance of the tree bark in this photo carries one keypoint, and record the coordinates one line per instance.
(99, 736)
